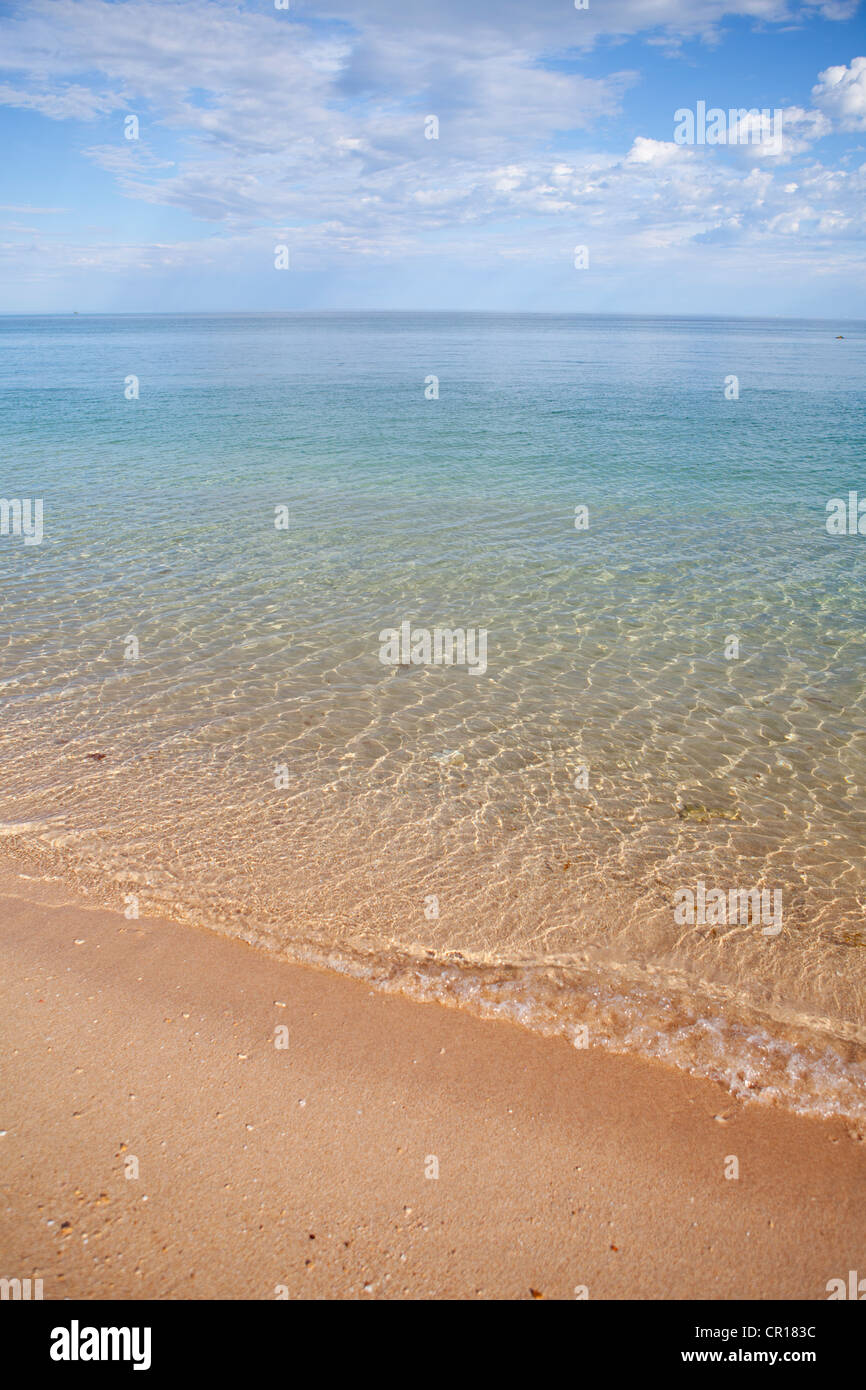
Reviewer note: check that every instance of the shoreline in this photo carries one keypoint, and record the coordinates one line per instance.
(807, 1064)
(300, 1171)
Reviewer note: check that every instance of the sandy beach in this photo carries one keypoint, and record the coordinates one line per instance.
(300, 1171)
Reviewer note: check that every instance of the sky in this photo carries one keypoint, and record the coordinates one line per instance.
(309, 127)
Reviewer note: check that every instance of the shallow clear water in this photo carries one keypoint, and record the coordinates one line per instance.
(606, 649)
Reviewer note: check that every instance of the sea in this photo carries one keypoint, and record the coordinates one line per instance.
(511, 661)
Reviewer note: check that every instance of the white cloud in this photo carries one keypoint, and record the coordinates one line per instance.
(841, 92)
(277, 122)
(778, 135)
(646, 151)
(67, 103)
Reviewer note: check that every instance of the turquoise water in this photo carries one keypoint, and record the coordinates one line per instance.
(258, 650)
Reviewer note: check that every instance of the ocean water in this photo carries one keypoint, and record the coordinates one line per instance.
(196, 720)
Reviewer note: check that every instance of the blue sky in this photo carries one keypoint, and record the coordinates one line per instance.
(305, 127)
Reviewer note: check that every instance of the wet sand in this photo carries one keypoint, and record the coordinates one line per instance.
(301, 1171)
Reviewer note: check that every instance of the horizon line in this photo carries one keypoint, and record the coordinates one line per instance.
(432, 313)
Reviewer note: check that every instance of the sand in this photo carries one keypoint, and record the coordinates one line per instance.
(300, 1171)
